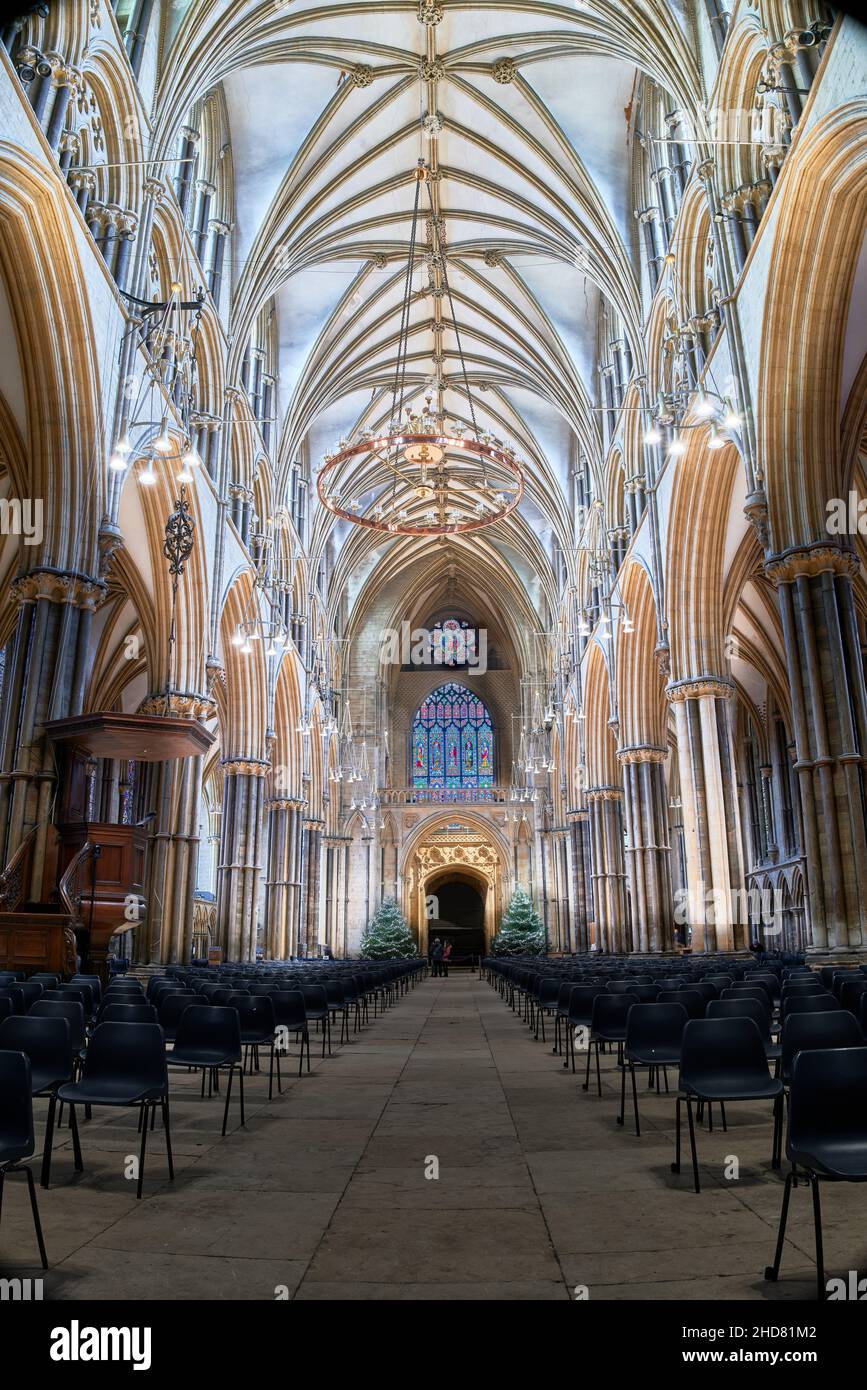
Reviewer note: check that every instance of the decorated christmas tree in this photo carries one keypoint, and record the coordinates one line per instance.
(387, 935)
(522, 932)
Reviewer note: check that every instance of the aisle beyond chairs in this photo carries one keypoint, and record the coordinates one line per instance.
(775, 1033)
(75, 1045)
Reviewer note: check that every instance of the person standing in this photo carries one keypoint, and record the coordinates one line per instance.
(436, 957)
(447, 951)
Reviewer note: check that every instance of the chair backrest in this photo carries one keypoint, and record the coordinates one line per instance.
(135, 1052)
(731, 1046)
(82, 992)
(127, 1013)
(256, 1012)
(31, 990)
(70, 1009)
(694, 1003)
(800, 1031)
(16, 1116)
(6, 1007)
(315, 998)
(620, 986)
(93, 980)
(655, 1025)
(813, 986)
(721, 981)
(645, 994)
(746, 992)
(850, 994)
(46, 1042)
(742, 1007)
(808, 1004)
(828, 1098)
(705, 989)
(610, 1011)
(211, 1026)
(173, 1005)
(289, 1010)
(47, 981)
(16, 998)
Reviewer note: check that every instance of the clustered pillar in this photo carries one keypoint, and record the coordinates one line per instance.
(238, 870)
(648, 851)
(283, 887)
(829, 707)
(608, 869)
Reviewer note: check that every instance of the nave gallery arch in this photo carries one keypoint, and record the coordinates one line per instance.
(666, 327)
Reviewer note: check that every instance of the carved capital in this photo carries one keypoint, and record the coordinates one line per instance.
(642, 753)
(82, 591)
(699, 688)
(604, 794)
(810, 561)
(756, 512)
(181, 704)
(245, 767)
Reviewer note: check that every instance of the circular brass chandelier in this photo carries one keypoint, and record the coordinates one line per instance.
(422, 475)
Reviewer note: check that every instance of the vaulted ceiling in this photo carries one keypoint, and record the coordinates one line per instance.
(522, 108)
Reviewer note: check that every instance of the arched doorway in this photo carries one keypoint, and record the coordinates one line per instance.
(459, 899)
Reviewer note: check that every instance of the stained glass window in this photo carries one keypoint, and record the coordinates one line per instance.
(452, 740)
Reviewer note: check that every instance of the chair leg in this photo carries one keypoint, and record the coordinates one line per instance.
(777, 1142)
(31, 1188)
(598, 1073)
(76, 1142)
(49, 1139)
(622, 1094)
(722, 1111)
(143, 1124)
(241, 1083)
(692, 1144)
(228, 1096)
(820, 1257)
(586, 1086)
(168, 1137)
(772, 1271)
(271, 1073)
(635, 1098)
(675, 1167)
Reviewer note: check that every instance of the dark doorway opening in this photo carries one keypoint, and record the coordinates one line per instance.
(461, 919)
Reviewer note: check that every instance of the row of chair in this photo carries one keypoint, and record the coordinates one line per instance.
(72, 1044)
(722, 1038)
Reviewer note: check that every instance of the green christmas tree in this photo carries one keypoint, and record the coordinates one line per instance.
(386, 935)
(522, 932)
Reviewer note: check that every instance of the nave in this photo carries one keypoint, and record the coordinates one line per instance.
(324, 1194)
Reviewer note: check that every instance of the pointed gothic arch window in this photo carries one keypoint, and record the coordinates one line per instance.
(452, 740)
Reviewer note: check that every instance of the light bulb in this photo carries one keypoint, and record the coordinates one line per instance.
(246, 649)
(185, 476)
(117, 463)
(272, 650)
(705, 406)
(237, 640)
(677, 447)
(628, 625)
(148, 477)
(191, 459)
(716, 441)
(123, 445)
(652, 436)
(732, 420)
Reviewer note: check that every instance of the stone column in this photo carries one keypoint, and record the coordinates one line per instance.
(282, 886)
(189, 140)
(829, 706)
(219, 232)
(648, 856)
(238, 871)
(174, 791)
(608, 873)
(312, 878)
(711, 815)
(45, 679)
(581, 899)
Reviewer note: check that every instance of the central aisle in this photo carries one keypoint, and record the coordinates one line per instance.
(324, 1195)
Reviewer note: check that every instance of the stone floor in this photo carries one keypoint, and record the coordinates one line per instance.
(324, 1195)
